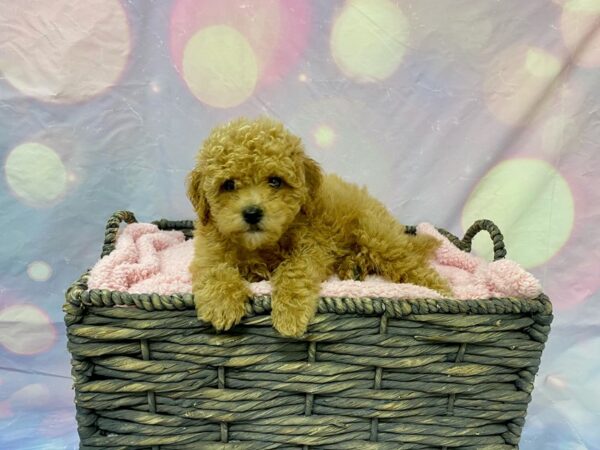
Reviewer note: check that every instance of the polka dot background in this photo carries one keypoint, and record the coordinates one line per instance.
(447, 111)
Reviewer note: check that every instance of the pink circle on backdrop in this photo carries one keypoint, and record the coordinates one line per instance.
(32, 397)
(28, 329)
(5, 410)
(277, 30)
(64, 51)
(578, 25)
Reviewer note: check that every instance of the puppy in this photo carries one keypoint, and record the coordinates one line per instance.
(267, 212)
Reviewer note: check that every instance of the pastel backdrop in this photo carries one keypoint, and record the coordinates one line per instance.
(447, 111)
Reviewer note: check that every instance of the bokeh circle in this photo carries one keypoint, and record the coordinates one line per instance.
(63, 51)
(369, 39)
(220, 67)
(26, 330)
(532, 204)
(579, 28)
(36, 174)
(39, 271)
(517, 80)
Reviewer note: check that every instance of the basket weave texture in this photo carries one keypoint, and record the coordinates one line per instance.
(372, 373)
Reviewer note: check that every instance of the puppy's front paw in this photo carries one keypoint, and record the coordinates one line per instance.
(222, 313)
(291, 316)
(221, 304)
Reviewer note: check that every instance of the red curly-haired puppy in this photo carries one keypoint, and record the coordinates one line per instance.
(266, 212)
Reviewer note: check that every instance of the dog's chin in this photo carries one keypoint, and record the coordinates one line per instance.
(255, 238)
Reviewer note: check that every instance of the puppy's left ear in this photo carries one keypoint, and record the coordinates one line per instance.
(313, 177)
(195, 192)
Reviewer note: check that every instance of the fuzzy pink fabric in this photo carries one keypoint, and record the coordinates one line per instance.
(147, 260)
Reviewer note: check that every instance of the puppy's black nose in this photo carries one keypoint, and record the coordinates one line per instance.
(252, 214)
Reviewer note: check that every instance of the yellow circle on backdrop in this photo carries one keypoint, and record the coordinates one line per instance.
(35, 173)
(369, 39)
(220, 67)
(541, 64)
(584, 6)
(324, 136)
(39, 271)
(531, 203)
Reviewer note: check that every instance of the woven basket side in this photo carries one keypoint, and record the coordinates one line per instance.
(160, 378)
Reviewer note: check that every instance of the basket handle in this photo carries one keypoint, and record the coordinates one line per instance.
(494, 232)
(480, 225)
(112, 228)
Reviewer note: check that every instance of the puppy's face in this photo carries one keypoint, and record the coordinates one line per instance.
(251, 181)
(253, 207)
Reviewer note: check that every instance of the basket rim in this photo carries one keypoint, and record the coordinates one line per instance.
(78, 297)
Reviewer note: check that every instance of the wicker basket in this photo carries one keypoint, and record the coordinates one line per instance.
(371, 374)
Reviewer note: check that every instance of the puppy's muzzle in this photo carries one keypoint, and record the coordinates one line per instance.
(252, 214)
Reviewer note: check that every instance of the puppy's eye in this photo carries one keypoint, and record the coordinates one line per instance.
(275, 182)
(228, 185)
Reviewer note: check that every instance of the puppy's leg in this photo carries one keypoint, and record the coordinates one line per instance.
(408, 261)
(296, 285)
(397, 256)
(428, 277)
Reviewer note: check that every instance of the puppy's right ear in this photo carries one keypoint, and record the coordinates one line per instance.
(197, 196)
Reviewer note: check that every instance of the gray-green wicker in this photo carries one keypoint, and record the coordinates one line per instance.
(372, 373)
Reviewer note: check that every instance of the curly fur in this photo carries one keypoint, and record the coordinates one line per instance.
(313, 226)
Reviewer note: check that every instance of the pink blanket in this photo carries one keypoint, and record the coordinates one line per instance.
(147, 260)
